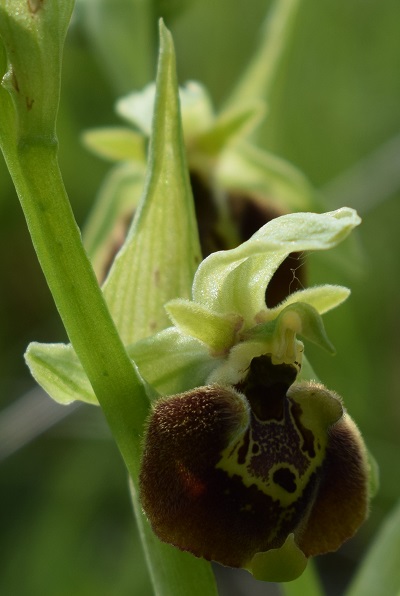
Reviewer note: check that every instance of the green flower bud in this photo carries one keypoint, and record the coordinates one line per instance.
(259, 475)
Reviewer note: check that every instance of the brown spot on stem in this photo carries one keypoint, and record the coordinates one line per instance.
(157, 278)
(29, 103)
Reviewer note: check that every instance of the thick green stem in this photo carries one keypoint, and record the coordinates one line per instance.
(80, 302)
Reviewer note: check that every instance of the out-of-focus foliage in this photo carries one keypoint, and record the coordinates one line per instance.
(67, 519)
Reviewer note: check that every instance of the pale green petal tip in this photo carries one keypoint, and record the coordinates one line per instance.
(322, 298)
(282, 564)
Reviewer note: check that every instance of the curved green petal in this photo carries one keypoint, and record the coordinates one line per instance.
(322, 298)
(235, 280)
(275, 182)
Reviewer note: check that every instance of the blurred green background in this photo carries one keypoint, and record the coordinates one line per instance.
(66, 522)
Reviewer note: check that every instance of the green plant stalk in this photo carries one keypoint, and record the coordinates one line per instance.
(32, 39)
(257, 80)
(70, 277)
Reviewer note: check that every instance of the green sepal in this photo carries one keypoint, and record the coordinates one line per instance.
(182, 363)
(57, 369)
(216, 330)
(172, 362)
(229, 126)
(196, 107)
(116, 143)
(272, 180)
(282, 564)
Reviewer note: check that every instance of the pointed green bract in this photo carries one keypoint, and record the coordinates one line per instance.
(112, 213)
(161, 254)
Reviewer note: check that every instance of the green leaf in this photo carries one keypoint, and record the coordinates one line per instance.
(380, 570)
(174, 572)
(161, 254)
(235, 280)
(116, 143)
(273, 180)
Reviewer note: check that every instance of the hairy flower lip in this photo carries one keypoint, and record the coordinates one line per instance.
(229, 482)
